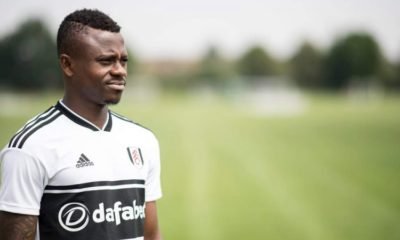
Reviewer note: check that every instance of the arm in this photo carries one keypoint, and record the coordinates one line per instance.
(17, 226)
(151, 228)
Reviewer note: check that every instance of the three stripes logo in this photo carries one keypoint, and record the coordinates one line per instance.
(84, 162)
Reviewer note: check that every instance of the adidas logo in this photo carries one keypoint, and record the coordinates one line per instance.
(84, 161)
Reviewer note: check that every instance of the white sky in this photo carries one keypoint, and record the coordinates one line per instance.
(184, 28)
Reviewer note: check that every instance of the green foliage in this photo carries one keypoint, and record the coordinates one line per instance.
(396, 78)
(307, 67)
(213, 69)
(390, 75)
(28, 58)
(28, 61)
(355, 56)
(256, 63)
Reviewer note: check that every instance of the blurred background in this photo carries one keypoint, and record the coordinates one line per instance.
(276, 119)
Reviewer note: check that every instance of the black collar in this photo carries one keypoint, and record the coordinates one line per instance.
(80, 120)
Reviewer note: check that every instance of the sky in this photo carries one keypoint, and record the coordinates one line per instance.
(184, 29)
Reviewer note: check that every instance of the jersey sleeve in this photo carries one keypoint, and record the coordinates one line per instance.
(153, 181)
(22, 182)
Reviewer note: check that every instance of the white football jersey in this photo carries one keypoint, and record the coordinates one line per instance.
(83, 182)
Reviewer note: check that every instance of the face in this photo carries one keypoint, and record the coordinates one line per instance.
(98, 67)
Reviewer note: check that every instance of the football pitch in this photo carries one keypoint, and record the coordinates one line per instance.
(331, 172)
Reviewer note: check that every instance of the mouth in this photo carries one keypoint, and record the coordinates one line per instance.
(117, 85)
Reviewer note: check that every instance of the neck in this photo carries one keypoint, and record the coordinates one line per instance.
(94, 113)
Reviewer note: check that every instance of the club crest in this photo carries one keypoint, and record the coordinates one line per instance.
(135, 155)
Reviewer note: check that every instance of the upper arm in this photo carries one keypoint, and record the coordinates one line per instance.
(151, 228)
(153, 192)
(22, 182)
(153, 181)
(17, 226)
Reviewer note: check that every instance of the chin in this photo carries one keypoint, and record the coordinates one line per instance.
(112, 100)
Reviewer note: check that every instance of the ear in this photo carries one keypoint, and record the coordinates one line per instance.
(66, 65)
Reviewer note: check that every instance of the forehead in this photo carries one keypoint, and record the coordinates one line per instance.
(97, 42)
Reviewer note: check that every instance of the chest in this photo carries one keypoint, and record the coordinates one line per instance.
(97, 157)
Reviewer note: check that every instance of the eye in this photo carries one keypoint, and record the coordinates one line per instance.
(105, 61)
(124, 61)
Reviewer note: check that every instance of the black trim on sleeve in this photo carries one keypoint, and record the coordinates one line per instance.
(20, 138)
(37, 128)
(29, 125)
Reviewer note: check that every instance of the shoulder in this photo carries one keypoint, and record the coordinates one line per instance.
(32, 128)
(126, 123)
(129, 129)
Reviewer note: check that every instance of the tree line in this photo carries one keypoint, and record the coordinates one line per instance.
(28, 61)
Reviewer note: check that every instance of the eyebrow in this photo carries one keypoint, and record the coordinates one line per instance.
(106, 56)
(110, 55)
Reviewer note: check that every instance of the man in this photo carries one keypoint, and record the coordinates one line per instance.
(78, 170)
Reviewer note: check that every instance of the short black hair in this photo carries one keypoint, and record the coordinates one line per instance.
(76, 23)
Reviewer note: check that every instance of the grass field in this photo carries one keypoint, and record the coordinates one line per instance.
(332, 172)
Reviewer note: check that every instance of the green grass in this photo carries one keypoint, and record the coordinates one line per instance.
(330, 173)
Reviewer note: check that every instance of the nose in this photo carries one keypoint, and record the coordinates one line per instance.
(119, 69)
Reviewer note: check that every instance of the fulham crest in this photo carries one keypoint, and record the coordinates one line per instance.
(136, 156)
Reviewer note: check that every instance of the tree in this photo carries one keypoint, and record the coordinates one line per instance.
(355, 56)
(390, 74)
(256, 63)
(307, 66)
(396, 79)
(28, 58)
(213, 69)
